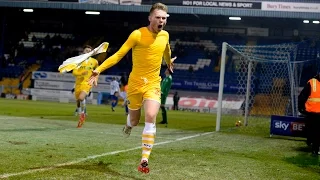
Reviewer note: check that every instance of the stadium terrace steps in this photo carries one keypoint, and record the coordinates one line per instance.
(11, 84)
(40, 36)
(200, 64)
(206, 43)
(27, 81)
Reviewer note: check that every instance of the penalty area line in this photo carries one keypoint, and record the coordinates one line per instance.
(7, 175)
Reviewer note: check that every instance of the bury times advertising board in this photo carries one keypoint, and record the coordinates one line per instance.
(235, 4)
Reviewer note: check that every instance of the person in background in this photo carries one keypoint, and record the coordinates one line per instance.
(309, 105)
(114, 91)
(176, 99)
(165, 88)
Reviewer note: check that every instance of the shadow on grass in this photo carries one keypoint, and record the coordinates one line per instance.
(185, 131)
(291, 138)
(100, 167)
(305, 160)
(30, 129)
(202, 129)
(17, 142)
(246, 130)
(306, 149)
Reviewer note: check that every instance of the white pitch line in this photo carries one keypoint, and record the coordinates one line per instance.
(189, 137)
(109, 133)
(94, 156)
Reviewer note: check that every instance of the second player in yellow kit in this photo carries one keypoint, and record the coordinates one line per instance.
(149, 45)
(82, 75)
(82, 88)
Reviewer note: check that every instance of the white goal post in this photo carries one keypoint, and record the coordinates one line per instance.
(266, 77)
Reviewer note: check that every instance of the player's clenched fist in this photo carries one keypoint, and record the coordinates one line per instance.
(170, 66)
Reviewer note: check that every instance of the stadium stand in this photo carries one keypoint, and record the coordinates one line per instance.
(45, 45)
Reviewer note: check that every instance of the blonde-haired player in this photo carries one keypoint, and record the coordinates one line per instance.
(82, 88)
(149, 45)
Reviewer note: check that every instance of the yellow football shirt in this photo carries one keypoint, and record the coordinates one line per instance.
(148, 49)
(88, 65)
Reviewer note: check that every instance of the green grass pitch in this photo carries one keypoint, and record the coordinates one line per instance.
(39, 140)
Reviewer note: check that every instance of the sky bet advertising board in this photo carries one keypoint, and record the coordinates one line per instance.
(287, 126)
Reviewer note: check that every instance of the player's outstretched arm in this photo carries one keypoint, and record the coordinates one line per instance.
(116, 57)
